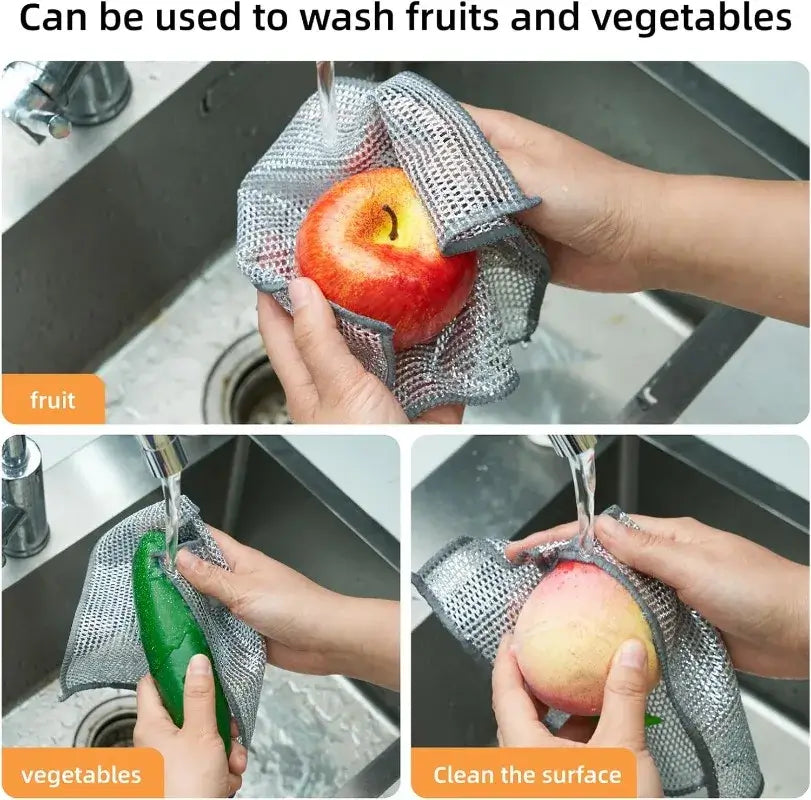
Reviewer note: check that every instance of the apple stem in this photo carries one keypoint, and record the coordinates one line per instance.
(390, 211)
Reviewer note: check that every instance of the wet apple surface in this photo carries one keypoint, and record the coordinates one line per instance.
(568, 631)
(369, 244)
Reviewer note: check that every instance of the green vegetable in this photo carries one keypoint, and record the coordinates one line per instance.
(650, 720)
(169, 633)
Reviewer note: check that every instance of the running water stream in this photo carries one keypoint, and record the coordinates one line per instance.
(584, 474)
(171, 501)
(325, 76)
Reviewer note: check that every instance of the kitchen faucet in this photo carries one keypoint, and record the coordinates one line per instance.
(166, 459)
(164, 455)
(570, 446)
(25, 523)
(46, 98)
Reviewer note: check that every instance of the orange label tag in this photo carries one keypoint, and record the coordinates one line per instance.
(523, 772)
(82, 772)
(32, 399)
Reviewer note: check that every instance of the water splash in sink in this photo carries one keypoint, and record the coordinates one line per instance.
(313, 734)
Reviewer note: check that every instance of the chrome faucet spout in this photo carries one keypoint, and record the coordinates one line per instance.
(569, 446)
(164, 455)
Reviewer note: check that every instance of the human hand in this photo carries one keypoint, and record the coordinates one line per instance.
(323, 382)
(608, 226)
(195, 763)
(590, 218)
(622, 721)
(307, 628)
(757, 599)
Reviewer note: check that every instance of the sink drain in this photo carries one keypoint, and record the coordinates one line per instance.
(110, 724)
(243, 387)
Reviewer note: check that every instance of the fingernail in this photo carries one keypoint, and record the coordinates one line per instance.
(187, 559)
(199, 665)
(610, 527)
(299, 291)
(632, 654)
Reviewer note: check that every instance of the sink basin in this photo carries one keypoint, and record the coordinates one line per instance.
(157, 202)
(507, 487)
(314, 735)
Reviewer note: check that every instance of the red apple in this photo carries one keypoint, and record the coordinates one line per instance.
(369, 244)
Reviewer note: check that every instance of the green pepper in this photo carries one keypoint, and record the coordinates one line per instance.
(650, 719)
(169, 633)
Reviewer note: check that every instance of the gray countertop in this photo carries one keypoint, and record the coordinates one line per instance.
(764, 381)
(31, 172)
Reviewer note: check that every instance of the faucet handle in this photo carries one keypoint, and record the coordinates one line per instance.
(25, 523)
(44, 99)
(12, 517)
(36, 114)
(44, 122)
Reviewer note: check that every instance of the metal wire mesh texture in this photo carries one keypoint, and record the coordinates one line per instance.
(470, 196)
(703, 740)
(104, 648)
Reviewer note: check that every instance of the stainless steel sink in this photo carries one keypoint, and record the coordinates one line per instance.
(315, 736)
(506, 487)
(125, 266)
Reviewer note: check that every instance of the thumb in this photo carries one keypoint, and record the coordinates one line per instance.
(198, 697)
(209, 579)
(152, 714)
(622, 720)
(323, 350)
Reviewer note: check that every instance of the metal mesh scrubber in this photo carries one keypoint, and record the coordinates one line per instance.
(470, 195)
(104, 648)
(703, 740)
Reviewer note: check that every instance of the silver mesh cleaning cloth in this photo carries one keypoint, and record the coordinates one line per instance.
(470, 196)
(703, 739)
(104, 649)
